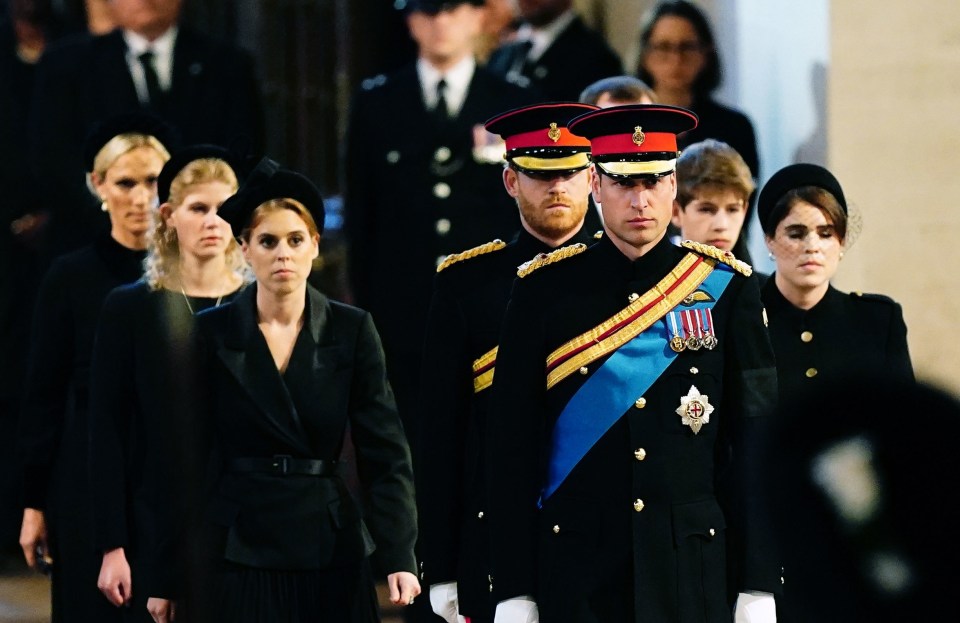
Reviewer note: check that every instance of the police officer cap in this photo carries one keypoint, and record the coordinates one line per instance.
(105, 130)
(432, 7)
(267, 181)
(537, 138)
(792, 177)
(181, 158)
(637, 140)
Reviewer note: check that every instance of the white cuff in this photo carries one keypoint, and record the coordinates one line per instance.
(517, 610)
(755, 607)
(443, 600)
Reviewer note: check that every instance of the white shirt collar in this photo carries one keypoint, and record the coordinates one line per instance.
(457, 78)
(162, 48)
(542, 38)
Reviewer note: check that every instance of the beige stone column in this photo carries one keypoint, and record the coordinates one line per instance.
(894, 97)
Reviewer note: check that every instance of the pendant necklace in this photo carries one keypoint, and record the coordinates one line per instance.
(186, 299)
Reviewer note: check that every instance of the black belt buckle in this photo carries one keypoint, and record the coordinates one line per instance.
(281, 463)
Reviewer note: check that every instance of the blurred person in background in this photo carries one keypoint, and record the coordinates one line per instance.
(617, 91)
(124, 157)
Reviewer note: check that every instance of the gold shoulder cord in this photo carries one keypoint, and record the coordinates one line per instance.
(489, 247)
(718, 254)
(545, 259)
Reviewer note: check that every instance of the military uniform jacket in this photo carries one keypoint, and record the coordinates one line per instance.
(335, 378)
(468, 303)
(577, 58)
(650, 498)
(842, 336)
(414, 194)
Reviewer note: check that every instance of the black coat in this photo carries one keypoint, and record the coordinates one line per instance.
(577, 58)
(468, 303)
(641, 528)
(414, 194)
(843, 336)
(725, 124)
(335, 379)
(142, 396)
(213, 98)
(54, 425)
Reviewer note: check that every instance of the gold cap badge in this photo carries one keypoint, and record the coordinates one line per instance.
(638, 136)
(553, 133)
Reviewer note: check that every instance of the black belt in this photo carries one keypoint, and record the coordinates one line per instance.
(284, 464)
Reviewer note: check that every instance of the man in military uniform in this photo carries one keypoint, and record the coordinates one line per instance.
(418, 186)
(548, 175)
(632, 380)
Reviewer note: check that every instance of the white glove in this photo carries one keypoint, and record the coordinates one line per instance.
(517, 610)
(443, 600)
(755, 607)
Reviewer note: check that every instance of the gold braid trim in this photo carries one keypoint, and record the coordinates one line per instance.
(453, 258)
(545, 259)
(629, 322)
(483, 370)
(724, 256)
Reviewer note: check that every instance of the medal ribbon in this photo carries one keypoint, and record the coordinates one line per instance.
(613, 388)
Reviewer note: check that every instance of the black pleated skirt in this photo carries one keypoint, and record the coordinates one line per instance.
(251, 595)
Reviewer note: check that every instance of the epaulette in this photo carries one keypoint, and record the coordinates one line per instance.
(724, 256)
(374, 82)
(544, 259)
(453, 258)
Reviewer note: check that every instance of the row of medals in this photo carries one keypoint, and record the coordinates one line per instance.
(678, 344)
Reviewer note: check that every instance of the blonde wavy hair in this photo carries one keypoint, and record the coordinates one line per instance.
(163, 255)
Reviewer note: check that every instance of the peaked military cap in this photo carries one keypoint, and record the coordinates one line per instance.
(102, 132)
(792, 177)
(432, 7)
(537, 138)
(634, 140)
(181, 158)
(267, 181)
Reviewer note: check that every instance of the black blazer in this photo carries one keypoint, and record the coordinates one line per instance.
(577, 58)
(335, 379)
(213, 98)
(142, 401)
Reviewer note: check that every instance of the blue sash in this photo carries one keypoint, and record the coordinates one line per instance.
(613, 388)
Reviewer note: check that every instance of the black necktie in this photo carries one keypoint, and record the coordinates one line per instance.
(150, 75)
(441, 111)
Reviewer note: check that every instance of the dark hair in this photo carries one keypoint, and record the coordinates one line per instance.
(815, 196)
(710, 76)
(619, 88)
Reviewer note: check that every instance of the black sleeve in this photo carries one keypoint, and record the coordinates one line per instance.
(513, 448)
(112, 400)
(750, 394)
(446, 394)
(48, 384)
(898, 353)
(383, 456)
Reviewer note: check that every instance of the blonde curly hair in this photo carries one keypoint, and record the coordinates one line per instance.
(163, 255)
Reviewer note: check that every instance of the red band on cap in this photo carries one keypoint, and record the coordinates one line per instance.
(624, 143)
(541, 138)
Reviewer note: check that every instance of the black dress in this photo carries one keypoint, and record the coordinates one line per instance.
(54, 427)
(140, 401)
(841, 337)
(288, 538)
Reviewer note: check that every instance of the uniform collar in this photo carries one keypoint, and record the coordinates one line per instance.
(651, 266)
(457, 79)
(777, 304)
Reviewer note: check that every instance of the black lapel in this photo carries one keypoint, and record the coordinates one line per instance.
(188, 67)
(246, 355)
(112, 64)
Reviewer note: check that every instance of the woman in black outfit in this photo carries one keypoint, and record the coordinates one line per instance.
(821, 335)
(140, 375)
(289, 373)
(124, 157)
(678, 58)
